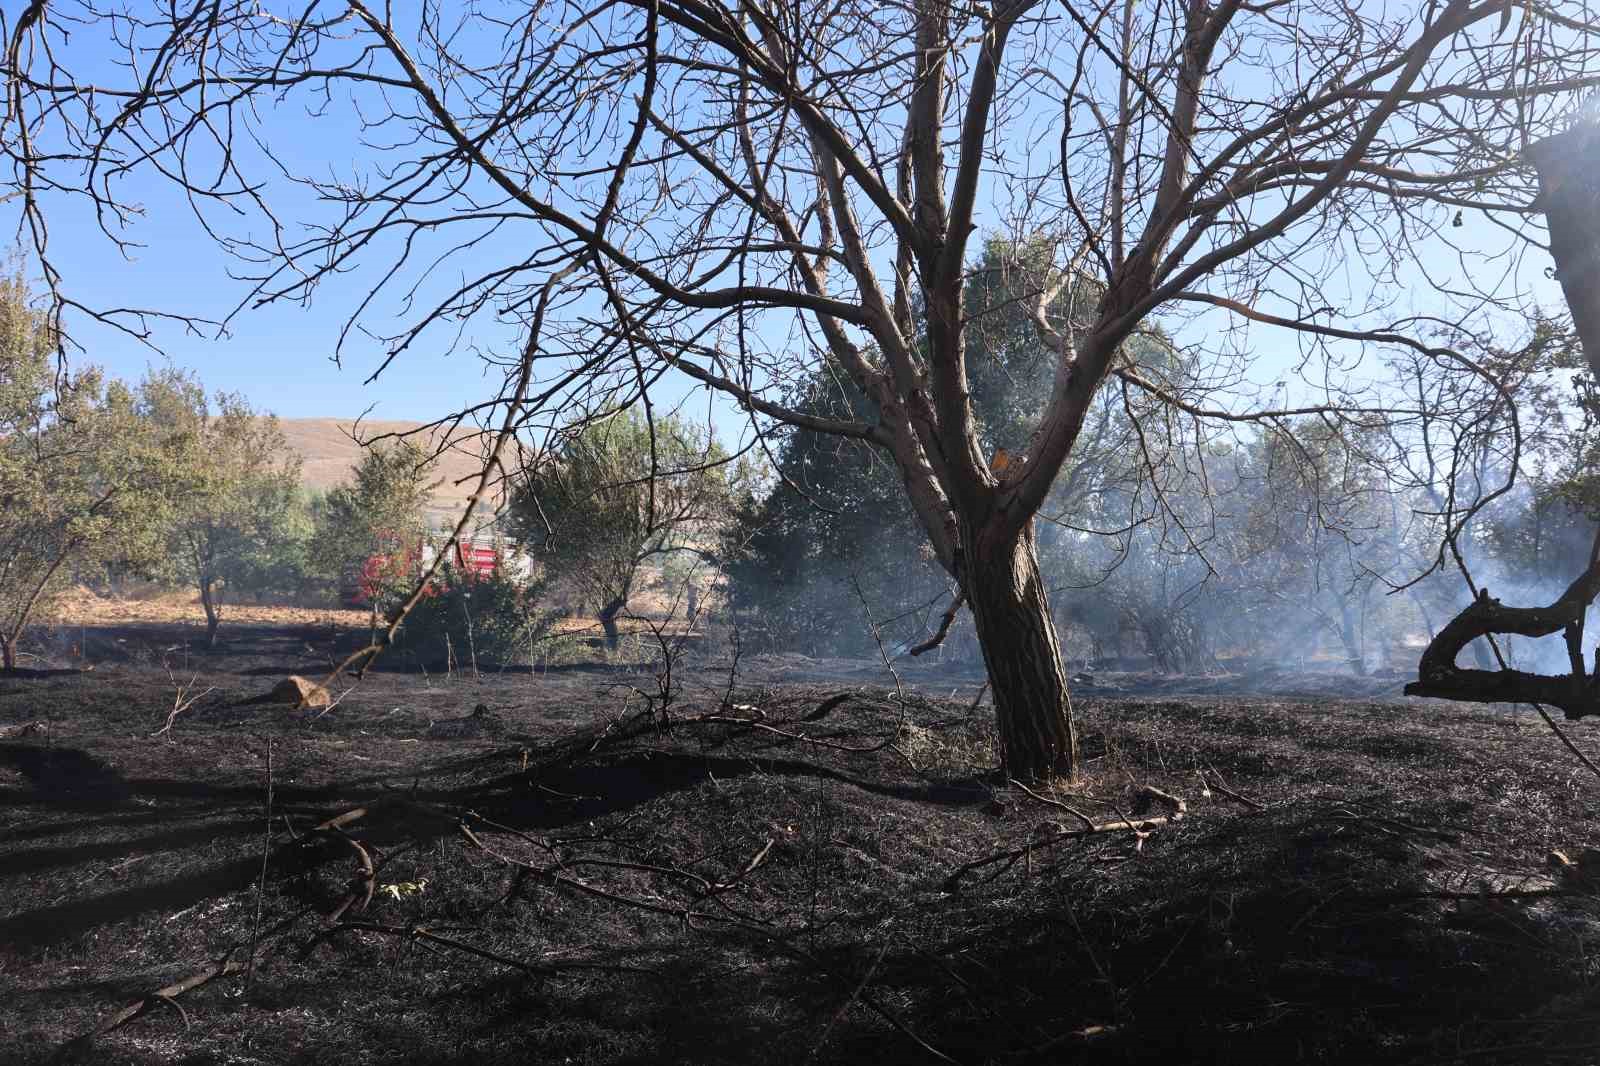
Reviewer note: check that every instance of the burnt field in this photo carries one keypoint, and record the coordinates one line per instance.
(798, 863)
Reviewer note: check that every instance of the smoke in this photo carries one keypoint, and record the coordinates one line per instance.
(1529, 553)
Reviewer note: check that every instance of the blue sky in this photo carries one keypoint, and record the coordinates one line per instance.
(280, 356)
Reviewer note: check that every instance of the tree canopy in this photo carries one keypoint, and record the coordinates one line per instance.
(236, 522)
(621, 491)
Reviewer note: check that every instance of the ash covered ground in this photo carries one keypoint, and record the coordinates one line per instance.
(773, 873)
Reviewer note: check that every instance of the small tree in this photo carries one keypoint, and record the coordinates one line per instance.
(234, 512)
(82, 478)
(368, 533)
(618, 492)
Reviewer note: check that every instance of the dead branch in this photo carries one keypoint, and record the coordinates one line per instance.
(826, 707)
(877, 638)
(1576, 694)
(261, 882)
(220, 968)
(878, 1008)
(844, 1007)
(425, 935)
(750, 867)
(183, 698)
(1215, 782)
(1088, 823)
(362, 885)
(945, 622)
(708, 719)
(1147, 795)
(553, 875)
(1140, 827)
(1568, 195)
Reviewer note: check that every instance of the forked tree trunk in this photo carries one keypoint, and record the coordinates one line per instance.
(1033, 711)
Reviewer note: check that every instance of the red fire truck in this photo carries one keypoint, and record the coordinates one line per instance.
(394, 563)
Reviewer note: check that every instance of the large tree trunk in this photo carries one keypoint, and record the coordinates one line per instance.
(8, 653)
(1033, 711)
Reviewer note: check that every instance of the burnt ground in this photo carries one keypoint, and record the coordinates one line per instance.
(1357, 878)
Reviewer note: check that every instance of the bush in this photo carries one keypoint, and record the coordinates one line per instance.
(493, 620)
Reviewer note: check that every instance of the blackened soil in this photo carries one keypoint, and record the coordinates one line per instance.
(574, 877)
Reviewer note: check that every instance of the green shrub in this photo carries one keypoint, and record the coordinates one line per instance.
(492, 619)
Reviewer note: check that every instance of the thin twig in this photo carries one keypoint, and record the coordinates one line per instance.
(1215, 781)
(877, 638)
(421, 933)
(261, 884)
(844, 1007)
(1138, 826)
(1088, 823)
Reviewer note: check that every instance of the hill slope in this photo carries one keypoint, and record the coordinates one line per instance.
(330, 451)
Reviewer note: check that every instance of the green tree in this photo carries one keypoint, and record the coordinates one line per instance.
(236, 514)
(84, 481)
(617, 493)
(368, 533)
(838, 523)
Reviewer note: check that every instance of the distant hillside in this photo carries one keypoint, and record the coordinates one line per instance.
(330, 455)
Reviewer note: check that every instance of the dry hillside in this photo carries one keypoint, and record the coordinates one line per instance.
(330, 451)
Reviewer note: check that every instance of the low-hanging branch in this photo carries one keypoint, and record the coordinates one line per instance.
(1577, 694)
(1569, 193)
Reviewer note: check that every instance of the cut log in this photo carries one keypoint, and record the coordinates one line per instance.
(303, 694)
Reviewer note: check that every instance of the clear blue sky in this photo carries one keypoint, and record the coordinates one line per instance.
(280, 356)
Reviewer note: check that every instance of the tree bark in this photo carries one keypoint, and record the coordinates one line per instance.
(1033, 710)
(608, 621)
(8, 653)
(208, 600)
(1353, 652)
(1577, 694)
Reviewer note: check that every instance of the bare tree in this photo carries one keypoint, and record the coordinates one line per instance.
(733, 193)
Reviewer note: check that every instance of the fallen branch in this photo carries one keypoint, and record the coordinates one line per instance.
(1215, 782)
(1088, 823)
(749, 868)
(709, 719)
(844, 1007)
(168, 994)
(424, 935)
(220, 968)
(1147, 795)
(1140, 827)
(878, 1008)
(826, 707)
(362, 885)
(261, 882)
